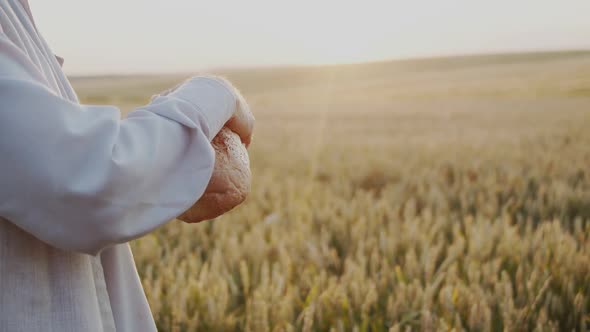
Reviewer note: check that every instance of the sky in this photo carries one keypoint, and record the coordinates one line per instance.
(174, 36)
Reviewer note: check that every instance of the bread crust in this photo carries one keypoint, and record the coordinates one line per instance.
(230, 183)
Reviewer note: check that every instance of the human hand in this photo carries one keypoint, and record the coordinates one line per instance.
(242, 121)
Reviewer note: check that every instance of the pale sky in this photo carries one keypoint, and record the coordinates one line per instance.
(149, 36)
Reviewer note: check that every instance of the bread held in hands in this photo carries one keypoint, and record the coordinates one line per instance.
(230, 182)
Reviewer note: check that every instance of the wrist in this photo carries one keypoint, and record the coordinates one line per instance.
(213, 97)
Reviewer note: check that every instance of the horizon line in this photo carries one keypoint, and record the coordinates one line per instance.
(401, 59)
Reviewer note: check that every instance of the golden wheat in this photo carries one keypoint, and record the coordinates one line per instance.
(391, 197)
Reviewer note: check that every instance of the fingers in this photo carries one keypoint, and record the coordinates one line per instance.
(242, 122)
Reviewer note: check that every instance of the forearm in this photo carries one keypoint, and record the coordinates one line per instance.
(79, 178)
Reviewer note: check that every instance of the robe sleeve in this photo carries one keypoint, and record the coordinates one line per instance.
(79, 178)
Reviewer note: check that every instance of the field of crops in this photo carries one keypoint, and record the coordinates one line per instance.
(427, 195)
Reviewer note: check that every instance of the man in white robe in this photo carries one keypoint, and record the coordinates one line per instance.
(77, 183)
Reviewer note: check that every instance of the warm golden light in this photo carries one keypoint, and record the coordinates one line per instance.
(112, 36)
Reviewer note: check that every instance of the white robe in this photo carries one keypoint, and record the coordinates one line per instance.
(77, 183)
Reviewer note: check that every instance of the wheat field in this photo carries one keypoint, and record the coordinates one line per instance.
(448, 194)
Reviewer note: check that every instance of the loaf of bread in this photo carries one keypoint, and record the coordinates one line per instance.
(230, 182)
